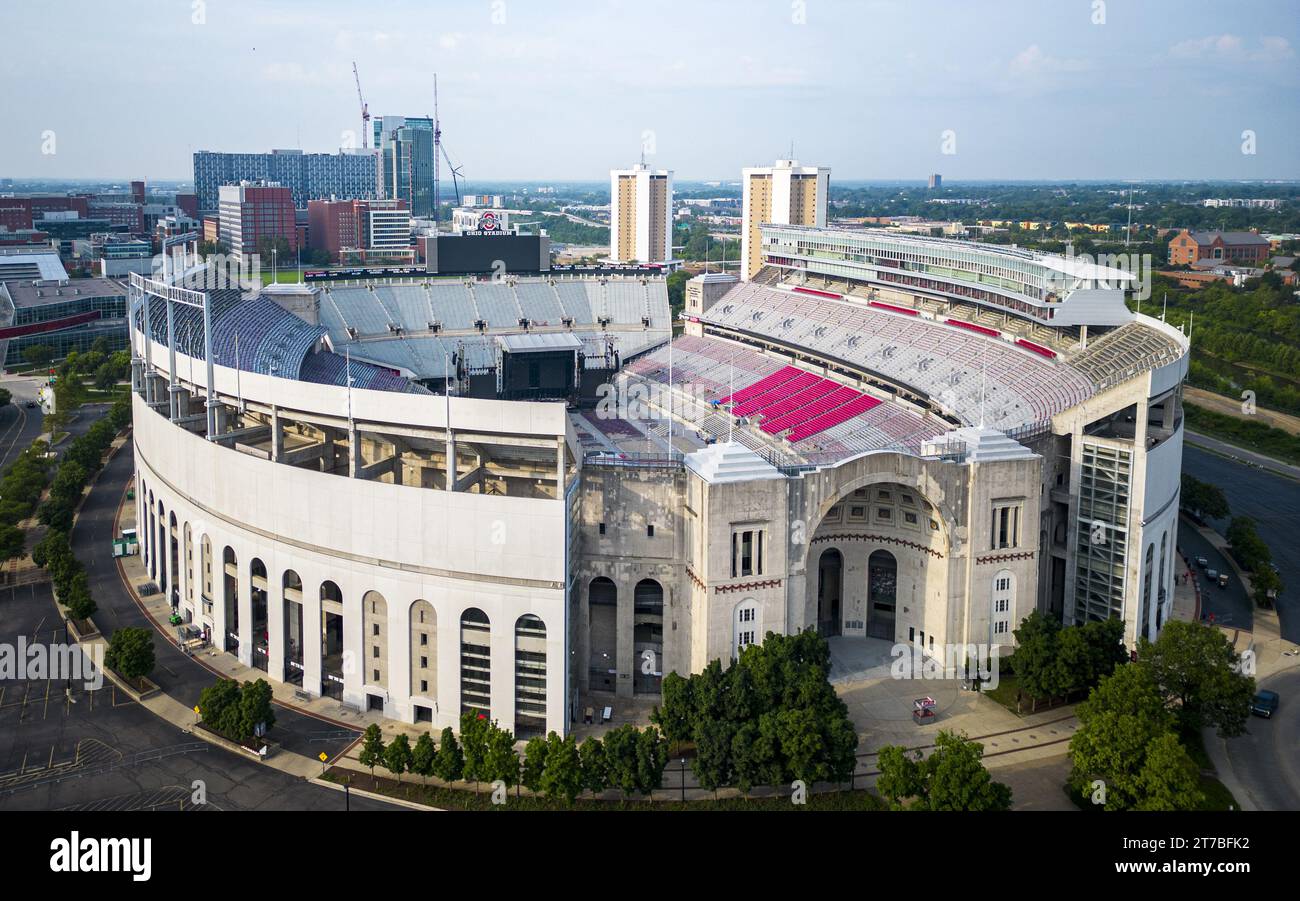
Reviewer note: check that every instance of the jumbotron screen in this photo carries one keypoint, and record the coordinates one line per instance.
(481, 253)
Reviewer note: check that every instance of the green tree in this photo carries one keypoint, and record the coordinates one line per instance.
(534, 762)
(1034, 660)
(1118, 724)
(651, 758)
(6, 396)
(1169, 779)
(13, 542)
(620, 758)
(500, 762)
(372, 748)
(81, 606)
(130, 652)
(39, 354)
(217, 701)
(422, 756)
(562, 776)
(449, 764)
(1200, 676)
(955, 777)
(900, 775)
(473, 743)
(397, 756)
(595, 770)
(255, 708)
(675, 715)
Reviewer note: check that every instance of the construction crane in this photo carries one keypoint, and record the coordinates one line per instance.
(440, 153)
(365, 110)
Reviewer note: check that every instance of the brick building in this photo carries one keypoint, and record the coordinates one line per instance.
(1188, 247)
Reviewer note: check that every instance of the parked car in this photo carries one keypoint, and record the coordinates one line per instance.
(1264, 703)
(30, 404)
(1202, 562)
(1223, 580)
(1212, 574)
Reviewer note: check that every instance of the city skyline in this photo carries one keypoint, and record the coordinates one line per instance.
(1086, 91)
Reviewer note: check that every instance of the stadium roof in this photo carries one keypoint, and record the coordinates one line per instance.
(33, 266)
(539, 342)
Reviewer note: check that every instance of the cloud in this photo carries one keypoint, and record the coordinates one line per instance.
(451, 40)
(1033, 61)
(1231, 48)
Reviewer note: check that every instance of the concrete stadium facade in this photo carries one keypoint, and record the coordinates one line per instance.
(423, 555)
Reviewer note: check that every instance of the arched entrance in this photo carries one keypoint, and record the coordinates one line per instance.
(648, 637)
(602, 598)
(882, 594)
(830, 588)
(260, 607)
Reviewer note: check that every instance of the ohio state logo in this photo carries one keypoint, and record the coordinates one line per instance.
(488, 222)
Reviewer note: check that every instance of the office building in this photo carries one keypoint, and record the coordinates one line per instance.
(640, 215)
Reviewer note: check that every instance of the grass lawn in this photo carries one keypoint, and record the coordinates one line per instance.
(1217, 796)
(282, 275)
(411, 788)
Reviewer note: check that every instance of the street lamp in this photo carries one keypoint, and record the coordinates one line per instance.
(683, 780)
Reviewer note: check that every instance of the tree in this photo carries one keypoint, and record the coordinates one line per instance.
(130, 652)
(651, 758)
(449, 764)
(217, 700)
(473, 742)
(372, 748)
(1267, 584)
(39, 354)
(500, 762)
(255, 707)
(397, 756)
(534, 763)
(712, 766)
(1200, 676)
(1169, 779)
(1203, 499)
(422, 756)
(105, 377)
(6, 396)
(595, 770)
(1118, 723)
(900, 775)
(620, 758)
(1034, 660)
(562, 774)
(81, 606)
(675, 715)
(955, 777)
(13, 542)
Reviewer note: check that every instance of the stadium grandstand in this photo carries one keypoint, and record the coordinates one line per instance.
(886, 438)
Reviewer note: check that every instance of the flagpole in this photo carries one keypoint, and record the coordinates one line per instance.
(670, 393)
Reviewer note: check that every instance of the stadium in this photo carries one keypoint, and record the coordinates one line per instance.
(424, 496)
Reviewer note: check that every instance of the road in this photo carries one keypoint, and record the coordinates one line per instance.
(1274, 503)
(98, 749)
(1230, 606)
(19, 426)
(179, 675)
(1264, 764)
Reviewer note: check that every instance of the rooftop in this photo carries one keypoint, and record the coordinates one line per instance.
(25, 294)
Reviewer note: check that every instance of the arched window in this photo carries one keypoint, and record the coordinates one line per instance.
(189, 565)
(602, 597)
(476, 662)
(424, 651)
(331, 632)
(257, 593)
(1144, 616)
(291, 594)
(1002, 605)
(647, 637)
(230, 597)
(530, 676)
(746, 626)
(374, 619)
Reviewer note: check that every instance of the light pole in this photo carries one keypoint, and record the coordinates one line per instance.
(683, 780)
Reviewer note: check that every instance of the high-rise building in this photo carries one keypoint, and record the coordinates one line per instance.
(251, 211)
(406, 161)
(353, 174)
(935, 182)
(783, 194)
(640, 214)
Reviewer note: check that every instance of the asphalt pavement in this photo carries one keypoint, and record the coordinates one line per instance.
(1273, 501)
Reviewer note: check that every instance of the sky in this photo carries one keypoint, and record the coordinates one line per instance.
(566, 90)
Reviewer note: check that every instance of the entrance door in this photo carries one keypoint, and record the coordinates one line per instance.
(830, 582)
(882, 594)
